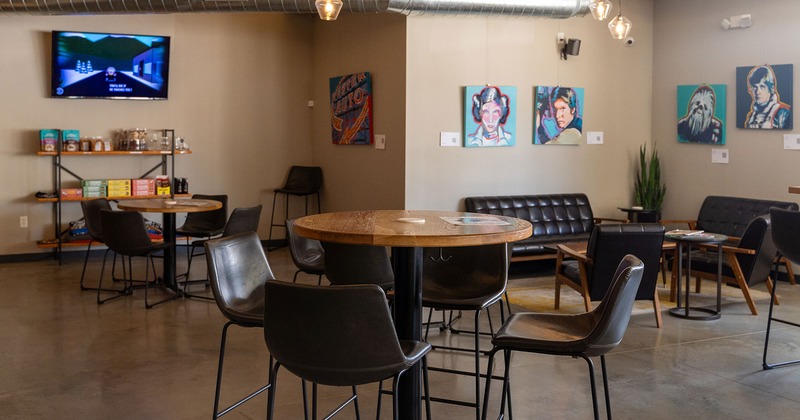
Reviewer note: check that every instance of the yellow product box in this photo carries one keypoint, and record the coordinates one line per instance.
(119, 183)
(162, 190)
(119, 193)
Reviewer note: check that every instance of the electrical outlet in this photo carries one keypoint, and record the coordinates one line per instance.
(23, 221)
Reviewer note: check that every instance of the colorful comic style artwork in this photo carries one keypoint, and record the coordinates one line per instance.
(490, 116)
(701, 114)
(351, 109)
(764, 97)
(558, 115)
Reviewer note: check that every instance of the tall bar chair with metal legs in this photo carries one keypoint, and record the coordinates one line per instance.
(302, 181)
(470, 278)
(336, 336)
(308, 255)
(583, 335)
(125, 234)
(204, 225)
(785, 228)
(238, 269)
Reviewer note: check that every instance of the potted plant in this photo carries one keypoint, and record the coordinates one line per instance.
(648, 190)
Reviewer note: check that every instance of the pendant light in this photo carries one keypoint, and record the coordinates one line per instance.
(328, 9)
(620, 26)
(600, 9)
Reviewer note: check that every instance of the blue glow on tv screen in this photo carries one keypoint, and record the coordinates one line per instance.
(109, 66)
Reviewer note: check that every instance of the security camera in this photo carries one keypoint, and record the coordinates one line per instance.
(629, 41)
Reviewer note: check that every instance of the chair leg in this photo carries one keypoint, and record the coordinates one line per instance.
(657, 308)
(488, 385)
(120, 293)
(272, 223)
(219, 366)
(85, 263)
(594, 387)
(605, 385)
(273, 376)
(478, 368)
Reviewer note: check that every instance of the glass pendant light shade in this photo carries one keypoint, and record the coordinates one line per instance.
(620, 27)
(328, 9)
(600, 9)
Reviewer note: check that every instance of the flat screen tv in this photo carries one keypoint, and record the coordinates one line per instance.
(109, 66)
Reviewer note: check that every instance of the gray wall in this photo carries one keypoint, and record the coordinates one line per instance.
(692, 48)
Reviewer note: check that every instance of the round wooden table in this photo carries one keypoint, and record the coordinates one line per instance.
(407, 232)
(168, 208)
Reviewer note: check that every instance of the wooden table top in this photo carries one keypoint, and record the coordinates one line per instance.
(411, 228)
(166, 205)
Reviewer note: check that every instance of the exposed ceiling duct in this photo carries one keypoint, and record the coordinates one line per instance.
(557, 9)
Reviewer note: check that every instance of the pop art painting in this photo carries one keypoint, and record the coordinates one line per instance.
(558, 115)
(764, 97)
(701, 114)
(490, 116)
(351, 109)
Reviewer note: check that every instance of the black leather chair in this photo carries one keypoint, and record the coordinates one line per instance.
(745, 264)
(125, 233)
(307, 254)
(238, 269)
(91, 214)
(470, 278)
(358, 264)
(591, 273)
(204, 224)
(347, 338)
(785, 226)
(583, 335)
(243, 219)
(302, 181)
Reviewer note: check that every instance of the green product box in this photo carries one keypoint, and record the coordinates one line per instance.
(94, 183)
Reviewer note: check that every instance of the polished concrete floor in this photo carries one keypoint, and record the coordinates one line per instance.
(64, 356)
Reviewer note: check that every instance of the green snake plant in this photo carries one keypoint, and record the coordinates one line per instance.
(649, 191)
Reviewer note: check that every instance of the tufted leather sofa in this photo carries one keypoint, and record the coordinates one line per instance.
(730, 215)
(556, 218)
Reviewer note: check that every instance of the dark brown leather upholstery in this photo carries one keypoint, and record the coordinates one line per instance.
(556, 218)
(731, 215)
(307, 254)
(584, 335)
(358, 264)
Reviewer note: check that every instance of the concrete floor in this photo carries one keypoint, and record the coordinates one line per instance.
(64, 356)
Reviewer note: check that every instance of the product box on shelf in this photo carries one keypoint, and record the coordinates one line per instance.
(142, 187)
(94, 182)
(71, 140)
(162, 185)
(48, 140)
(71, 192)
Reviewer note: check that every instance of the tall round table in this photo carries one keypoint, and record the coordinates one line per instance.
(168, 208)
(407, 232)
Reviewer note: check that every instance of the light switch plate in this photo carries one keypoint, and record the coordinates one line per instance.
(380, 141)
(449, 138)
(719, 155)
(791, 141)
(594, 137)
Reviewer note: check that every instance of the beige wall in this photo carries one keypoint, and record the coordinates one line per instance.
(692, 48)
(362, 177)
(445, 54)
(239, 86)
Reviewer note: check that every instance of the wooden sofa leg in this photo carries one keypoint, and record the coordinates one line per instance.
(657, 308)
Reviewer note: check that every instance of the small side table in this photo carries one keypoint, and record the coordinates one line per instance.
(642, 215)
(681, 239)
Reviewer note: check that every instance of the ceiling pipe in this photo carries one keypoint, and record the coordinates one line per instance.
(556, 9)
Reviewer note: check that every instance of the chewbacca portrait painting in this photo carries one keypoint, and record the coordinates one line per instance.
(701, 114)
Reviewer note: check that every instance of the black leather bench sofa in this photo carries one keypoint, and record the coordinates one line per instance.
(730, 215)
(556, 218)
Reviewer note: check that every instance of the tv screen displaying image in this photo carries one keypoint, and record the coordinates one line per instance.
(110, 66)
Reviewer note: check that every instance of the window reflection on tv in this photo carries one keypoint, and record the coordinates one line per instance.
(110, 66)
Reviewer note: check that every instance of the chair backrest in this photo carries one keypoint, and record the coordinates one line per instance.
(757, 236)
(238, 269)
(124, 232)
(207, 221)
(243, 219)
(306, 253)
(331, 335)
(465, 272)
(306, 179)
(358, 264)
(91, 214)
(785, 225)
(614, 311)
(731, 215)
(609, 243)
